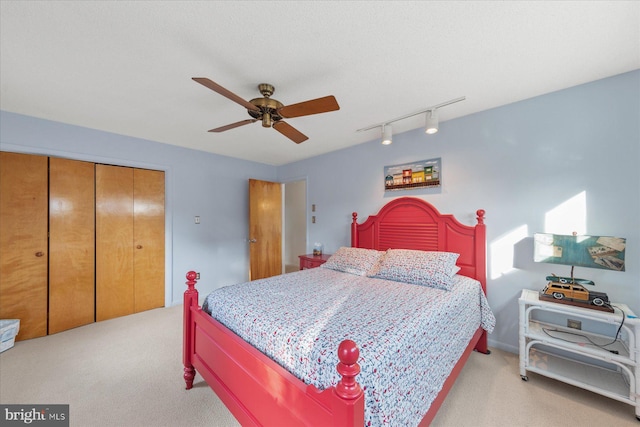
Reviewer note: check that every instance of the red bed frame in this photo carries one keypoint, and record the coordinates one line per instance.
(259, 392)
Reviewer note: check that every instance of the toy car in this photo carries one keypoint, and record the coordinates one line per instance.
(575, 292)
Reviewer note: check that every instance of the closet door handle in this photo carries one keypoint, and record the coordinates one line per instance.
(139, 247)
(39, 254)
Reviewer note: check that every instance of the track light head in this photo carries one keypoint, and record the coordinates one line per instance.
(431, 122)
(387, 134)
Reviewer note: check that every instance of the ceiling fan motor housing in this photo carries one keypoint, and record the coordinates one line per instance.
(268, 107)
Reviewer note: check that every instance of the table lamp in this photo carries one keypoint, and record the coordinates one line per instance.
(585, 251)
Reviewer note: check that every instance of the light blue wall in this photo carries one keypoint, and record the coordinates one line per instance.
(197, 183)
(518, 162)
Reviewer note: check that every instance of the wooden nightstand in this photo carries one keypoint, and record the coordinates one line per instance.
(312, 261)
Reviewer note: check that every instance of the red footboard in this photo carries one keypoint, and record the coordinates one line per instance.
(257, 390)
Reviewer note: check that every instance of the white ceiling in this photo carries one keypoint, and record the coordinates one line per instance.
(126, 66)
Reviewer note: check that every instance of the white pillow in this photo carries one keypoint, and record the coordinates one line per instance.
(359, 261)
(426, 268)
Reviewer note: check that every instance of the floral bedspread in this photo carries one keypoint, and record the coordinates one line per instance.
(409, 336)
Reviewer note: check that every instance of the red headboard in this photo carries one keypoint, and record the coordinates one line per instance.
(411, 223)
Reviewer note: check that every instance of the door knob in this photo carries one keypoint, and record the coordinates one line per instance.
(253, 241)
(39, 254)
(139, 247)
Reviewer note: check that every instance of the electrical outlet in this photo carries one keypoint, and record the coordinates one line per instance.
(197, 276)
(574, 324)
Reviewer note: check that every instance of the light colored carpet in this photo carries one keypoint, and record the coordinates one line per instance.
(128, 372)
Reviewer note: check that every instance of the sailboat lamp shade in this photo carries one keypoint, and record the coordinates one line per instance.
(602, 252)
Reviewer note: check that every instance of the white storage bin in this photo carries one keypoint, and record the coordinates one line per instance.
(8, 330)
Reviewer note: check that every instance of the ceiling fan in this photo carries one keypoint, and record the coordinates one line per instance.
(271, 111)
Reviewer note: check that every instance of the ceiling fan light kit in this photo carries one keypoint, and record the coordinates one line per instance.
(270, 111)
(431, 121)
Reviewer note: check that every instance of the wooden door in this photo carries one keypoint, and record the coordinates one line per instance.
(265, 229)
(114, 242)
(148, 226)
(71, 244)
(23, 242)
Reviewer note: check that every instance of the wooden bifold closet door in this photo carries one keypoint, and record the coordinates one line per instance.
(23, 242)
(71, 244)
(148, 238)
(129, 240)
(47, 283)
(114, 238)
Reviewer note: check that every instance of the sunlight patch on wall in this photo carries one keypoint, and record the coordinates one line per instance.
(568, 216)
(503, 251)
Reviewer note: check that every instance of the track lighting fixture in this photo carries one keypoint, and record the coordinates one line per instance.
(431, 122)
(387, 134)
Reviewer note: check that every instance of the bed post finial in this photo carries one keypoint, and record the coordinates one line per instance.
(190, 299)
(348, 368)
(480, 213)
(191, 280)
(354, 230)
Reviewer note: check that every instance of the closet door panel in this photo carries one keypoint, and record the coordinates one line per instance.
(72, 244)
(114, 242)
(148, 239)
(23, 242)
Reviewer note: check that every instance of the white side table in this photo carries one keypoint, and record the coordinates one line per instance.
(592, 357)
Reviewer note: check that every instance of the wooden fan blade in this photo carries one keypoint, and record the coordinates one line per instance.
(224, 92)
(290, 132)
(306, 108)
(233, 125)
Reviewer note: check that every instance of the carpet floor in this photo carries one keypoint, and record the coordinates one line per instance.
(128, 372)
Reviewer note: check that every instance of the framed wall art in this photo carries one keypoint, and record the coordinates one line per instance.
(408, 176)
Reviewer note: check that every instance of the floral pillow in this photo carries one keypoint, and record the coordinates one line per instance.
(435, 269)
(359, 261)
